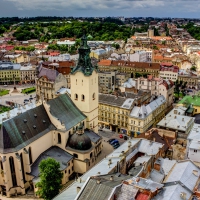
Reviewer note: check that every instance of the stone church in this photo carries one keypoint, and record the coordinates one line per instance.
(63, 128)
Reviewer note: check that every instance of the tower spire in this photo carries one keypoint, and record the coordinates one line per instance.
(84, 62)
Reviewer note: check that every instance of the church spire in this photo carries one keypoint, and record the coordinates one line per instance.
(84, 62)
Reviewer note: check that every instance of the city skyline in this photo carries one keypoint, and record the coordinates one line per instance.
(97, 8)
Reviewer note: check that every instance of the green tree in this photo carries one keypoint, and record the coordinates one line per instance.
(50, 179)
(193, 68)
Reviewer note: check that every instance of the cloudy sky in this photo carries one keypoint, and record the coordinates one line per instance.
(94, 8)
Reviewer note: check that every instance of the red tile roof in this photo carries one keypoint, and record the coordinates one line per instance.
(142, 197)
(105, 62)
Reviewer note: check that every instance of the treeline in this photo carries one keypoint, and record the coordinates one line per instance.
(193, 30)
(98, 31)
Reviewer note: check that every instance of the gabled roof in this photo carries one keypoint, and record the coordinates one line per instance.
(23, 129)
(185, 173)
(173, 192)
(66, 111)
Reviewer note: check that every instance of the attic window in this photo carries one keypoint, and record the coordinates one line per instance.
(44, 121)
(23, 132)
(34, 126)
(35, 115)
(25, 120)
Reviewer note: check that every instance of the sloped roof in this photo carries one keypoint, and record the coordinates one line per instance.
(172, 192)
(23, 129)
(183, 172)
(66, 111)
(55, 152)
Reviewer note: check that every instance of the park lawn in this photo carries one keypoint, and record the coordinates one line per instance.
(28, 90)
(3, 92)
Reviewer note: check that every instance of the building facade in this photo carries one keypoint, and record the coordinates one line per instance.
(9, 72)
(133, 68)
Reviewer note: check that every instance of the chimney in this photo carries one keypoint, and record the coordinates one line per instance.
(137, 179)
(175, 117)
(183, 195)
(78, 189)
(98, 181)
(111, 178)
(183, 119)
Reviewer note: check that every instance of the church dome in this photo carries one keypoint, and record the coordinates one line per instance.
(80, 142)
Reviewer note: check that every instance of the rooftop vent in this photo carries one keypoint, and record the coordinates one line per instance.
(35, 115)
(34, 126)
(25, 120)
(44, 121)
(23, 132)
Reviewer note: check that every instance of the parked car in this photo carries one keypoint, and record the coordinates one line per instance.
(5, 85)
(120, 136)
(116, 145)
(125, 137)
(114, 141)
(110, 140)
(30, 98)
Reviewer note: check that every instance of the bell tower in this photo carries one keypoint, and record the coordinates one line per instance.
(84, 86)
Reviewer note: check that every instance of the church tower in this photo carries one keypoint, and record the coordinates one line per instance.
(84, 86)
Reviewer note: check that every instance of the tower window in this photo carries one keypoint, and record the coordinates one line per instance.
(82, 82)
(59, 138)
(83, 97)
(76, 81)
(93, 96)
(76, 96)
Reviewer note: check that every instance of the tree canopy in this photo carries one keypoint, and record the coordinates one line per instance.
(50, 179)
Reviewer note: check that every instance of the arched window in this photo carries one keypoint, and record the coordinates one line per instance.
(22, 166)
(76, 96)
(59, 138)
(30, 155)
(82, 97)
(12, 170)
(93, 96)
(83, 124)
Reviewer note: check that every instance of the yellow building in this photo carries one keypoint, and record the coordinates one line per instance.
(132, 68)
(9, 73)
(114, 110)
(146, 116)
(18, 58)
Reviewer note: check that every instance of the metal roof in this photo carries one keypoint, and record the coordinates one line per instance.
(23, 129)
(183, 172)
(55, 152)
(66, 111)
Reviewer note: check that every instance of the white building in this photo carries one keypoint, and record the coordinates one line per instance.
(170, 73)
(193, 144)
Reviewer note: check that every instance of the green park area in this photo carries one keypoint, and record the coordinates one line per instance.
(28, 90)
(3, 92)
(188, 100)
